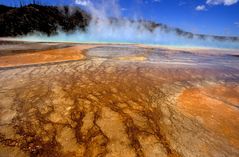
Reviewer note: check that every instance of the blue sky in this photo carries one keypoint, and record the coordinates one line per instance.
(219, 17)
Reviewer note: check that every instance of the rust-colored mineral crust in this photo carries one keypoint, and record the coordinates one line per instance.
(119, 101)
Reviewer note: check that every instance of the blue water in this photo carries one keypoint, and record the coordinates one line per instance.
(131, 35)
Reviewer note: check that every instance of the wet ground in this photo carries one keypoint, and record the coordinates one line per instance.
(119, 101)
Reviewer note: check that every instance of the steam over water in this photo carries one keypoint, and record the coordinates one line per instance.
(132, 35)
(103, 30)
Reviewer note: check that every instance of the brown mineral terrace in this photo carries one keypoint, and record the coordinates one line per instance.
(47, 56)
(83, 100)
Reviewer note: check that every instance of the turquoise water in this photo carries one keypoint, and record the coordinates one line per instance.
(132, 35)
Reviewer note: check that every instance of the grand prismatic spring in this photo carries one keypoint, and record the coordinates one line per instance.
(119, 90)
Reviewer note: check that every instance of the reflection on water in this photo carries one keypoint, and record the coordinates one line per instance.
(166, 56)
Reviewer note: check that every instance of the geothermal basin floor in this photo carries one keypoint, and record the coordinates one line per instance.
(87, 100)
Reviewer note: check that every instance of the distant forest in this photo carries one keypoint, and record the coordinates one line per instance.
(33, 16)
(25, 19)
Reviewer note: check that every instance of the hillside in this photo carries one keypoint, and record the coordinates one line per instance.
(50, 19)
(44, 19)
(4, 9)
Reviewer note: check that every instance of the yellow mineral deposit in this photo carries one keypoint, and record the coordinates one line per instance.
(67, 102)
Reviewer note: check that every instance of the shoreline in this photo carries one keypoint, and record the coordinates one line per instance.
(33, 53)
(171, 47)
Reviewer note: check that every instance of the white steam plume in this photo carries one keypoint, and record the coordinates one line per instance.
(107, 25)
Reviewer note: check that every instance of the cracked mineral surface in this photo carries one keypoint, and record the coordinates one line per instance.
(118, 101)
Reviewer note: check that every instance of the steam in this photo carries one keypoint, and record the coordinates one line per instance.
(109, 27)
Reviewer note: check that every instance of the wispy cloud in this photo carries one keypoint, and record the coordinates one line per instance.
(82, 2)
(201, 8)
(224, 2)
(215, 2)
